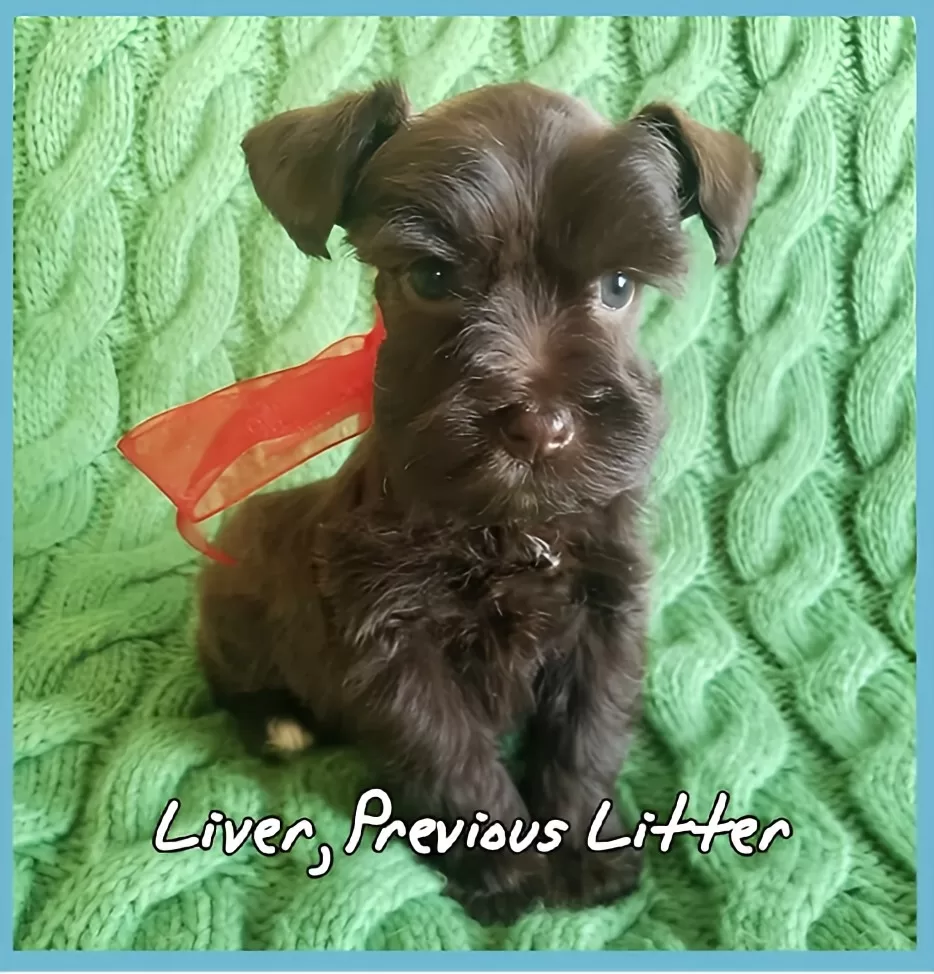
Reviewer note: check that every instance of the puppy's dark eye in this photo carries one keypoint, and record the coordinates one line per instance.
(616, 290)
(432, 280)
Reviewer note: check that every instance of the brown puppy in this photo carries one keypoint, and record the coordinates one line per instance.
(477, 565)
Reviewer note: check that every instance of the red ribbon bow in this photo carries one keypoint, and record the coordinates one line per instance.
(208, 455)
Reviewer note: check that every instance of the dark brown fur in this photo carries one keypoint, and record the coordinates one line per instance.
(438, 592)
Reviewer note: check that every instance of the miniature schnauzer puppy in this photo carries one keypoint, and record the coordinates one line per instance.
(477, 566)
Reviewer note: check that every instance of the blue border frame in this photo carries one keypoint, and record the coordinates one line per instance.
(480, 8)
(920, 960)
(6, 501)
(463, 960)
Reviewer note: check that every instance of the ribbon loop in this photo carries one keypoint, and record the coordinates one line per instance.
(208, 455)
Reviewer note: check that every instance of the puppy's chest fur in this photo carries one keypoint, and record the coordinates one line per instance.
(490, 605)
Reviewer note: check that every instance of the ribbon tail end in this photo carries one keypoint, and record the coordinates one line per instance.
(194, 536)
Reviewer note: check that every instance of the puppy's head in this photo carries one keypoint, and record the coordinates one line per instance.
(513, 232)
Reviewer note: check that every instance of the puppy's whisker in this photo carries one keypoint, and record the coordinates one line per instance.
(413, 461)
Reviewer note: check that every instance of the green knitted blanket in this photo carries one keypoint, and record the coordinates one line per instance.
(782, 649)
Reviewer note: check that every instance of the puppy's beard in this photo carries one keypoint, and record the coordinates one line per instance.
(484, 484)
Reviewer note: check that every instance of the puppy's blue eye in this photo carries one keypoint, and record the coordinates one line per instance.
(432, 280)
(616, 290)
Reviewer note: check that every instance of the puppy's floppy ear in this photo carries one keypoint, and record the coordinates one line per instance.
(305, 163)
(719, 174)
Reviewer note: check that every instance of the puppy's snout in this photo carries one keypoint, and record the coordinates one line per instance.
(531, 434)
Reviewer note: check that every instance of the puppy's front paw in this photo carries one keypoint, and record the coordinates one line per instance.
(587, 878)
(499, 887)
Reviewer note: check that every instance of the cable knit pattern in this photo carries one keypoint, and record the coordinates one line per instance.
(782, 642)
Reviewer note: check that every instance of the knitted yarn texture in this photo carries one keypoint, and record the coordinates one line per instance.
(782, 646)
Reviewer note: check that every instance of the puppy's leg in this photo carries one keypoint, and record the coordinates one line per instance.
(232, 643)
(271, 724)
(440, 760)
(577, 741)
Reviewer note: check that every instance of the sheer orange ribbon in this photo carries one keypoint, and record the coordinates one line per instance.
(208, 455)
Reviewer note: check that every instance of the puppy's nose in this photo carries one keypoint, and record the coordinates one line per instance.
(533, 434)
